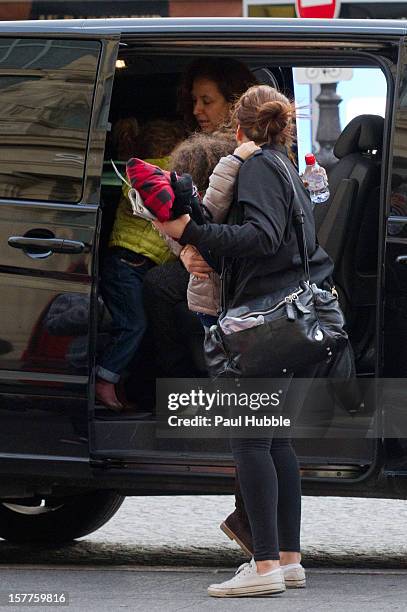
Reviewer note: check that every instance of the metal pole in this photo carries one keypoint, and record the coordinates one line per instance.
(329, 126)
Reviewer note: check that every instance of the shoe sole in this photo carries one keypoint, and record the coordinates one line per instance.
(295, 584)
(232, 536)
(247, 591)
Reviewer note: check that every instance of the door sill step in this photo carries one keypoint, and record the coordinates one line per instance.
(333, 471)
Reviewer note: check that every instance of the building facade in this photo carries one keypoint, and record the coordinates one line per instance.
(75, 9)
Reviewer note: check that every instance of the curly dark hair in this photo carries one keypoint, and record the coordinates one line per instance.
(158, 137)
(231, 77)
(124, 138)
(199, 154)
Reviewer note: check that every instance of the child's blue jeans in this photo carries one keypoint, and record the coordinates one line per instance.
(121, 287)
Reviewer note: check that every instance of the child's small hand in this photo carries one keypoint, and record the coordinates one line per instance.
(246, 149)
(194, 262)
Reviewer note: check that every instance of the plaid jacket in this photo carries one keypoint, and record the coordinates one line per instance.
(153, 184)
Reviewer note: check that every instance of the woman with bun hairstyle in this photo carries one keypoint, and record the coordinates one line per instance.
(260, 248)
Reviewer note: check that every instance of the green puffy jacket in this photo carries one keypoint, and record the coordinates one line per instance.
(139, 235)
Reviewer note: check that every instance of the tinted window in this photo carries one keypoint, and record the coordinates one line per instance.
(397, 225)
(46, 90)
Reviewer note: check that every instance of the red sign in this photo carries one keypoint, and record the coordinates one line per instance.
(317, 9)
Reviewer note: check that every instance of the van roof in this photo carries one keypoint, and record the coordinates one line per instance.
(226, 25)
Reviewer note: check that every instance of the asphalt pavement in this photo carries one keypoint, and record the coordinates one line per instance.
(184, 531)
(155, 590)
(162, 552)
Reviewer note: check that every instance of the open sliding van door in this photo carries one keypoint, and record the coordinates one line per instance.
(55, 86)
(394, 324)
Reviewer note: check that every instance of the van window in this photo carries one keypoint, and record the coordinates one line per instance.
(46, 90)
(341, 120)
(328, 98)
(397, 226)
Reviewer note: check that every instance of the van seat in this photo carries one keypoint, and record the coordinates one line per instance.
(347, 226)
(358, 150)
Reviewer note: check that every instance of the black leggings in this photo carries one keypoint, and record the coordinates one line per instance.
(270, 484)
(269, 473)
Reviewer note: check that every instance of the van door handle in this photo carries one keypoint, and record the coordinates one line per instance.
(55, 245)
(401, 260)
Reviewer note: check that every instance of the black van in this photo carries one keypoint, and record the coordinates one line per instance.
(65, 467)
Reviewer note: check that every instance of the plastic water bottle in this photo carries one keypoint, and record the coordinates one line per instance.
(315, 180)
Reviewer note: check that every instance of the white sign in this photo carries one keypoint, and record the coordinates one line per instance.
(309, 76)
(308, 3)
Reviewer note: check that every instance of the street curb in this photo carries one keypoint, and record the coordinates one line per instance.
(85, 552)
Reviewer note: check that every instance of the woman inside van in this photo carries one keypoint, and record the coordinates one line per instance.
(209, 88)
(264, 254)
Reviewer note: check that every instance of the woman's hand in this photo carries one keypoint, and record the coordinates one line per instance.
(174, 228)
(246, 149)
(194, 262)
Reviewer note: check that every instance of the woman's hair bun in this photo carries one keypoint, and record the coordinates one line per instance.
(266, 115)
(273, 117)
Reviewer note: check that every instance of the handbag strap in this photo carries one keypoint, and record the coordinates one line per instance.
(298, 222)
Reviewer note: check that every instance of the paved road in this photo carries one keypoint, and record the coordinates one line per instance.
(111, 569)
(183, 531)
(174, 590)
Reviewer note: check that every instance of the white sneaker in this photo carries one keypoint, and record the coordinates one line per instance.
(294, 575)
(247, 581)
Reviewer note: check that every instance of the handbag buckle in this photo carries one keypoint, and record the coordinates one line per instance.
(289, 299)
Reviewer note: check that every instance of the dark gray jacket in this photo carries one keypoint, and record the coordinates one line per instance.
(259, 242)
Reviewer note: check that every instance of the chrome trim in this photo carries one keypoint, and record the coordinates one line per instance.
(16, 376)
(50, 205)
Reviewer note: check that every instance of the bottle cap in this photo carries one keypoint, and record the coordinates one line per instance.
(310, 159)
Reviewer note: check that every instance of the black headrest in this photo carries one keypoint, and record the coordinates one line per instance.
(363, 133)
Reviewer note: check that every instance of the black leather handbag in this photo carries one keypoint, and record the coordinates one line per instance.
(286, 331)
